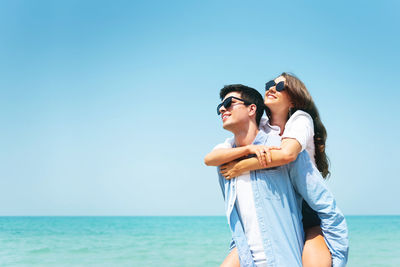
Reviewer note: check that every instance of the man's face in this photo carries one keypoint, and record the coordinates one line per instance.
(236, 114)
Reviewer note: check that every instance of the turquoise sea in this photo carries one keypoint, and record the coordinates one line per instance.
(162, 241)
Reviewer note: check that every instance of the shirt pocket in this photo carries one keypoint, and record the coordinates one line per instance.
(270, 183)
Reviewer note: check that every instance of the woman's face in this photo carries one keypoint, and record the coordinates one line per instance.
(277, 101)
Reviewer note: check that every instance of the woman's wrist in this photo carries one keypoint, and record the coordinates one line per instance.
(240, 167)
(248, 150)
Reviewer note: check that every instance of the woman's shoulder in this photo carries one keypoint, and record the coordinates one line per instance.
(300, 126)
(300, 114)
(299, 122)
(300, 118)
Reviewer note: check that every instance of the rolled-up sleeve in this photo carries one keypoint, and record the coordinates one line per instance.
(309, 183)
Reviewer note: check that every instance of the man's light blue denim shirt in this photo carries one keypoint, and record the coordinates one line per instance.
(278, 194)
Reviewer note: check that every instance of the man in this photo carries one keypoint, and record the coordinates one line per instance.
(263, 206)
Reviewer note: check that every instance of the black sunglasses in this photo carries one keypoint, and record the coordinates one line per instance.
(279, 86)
(228, 102)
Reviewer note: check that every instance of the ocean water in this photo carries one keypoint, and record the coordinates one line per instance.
(162, 241)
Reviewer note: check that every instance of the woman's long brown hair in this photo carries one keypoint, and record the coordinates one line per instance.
(302, 100)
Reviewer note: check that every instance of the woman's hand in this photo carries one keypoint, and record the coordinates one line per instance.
(231, 169)
(263, 153)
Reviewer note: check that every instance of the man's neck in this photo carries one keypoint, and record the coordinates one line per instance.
(246, 135)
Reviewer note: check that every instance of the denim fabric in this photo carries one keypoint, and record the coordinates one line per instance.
(278, 195)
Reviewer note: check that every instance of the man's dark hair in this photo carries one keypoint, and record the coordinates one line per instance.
(248, 94)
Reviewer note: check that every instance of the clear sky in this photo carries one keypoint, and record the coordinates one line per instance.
(108, 107)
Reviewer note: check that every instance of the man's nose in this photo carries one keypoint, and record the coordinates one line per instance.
(222, 109)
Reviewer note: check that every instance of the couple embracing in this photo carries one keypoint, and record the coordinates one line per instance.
(279, 210)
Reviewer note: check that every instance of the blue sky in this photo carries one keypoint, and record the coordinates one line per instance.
(108, 108)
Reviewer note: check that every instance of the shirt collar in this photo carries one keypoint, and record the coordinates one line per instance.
(267, 127)
(261, 138)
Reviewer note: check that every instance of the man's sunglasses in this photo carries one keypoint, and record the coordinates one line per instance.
(228, 102)
(279, 86)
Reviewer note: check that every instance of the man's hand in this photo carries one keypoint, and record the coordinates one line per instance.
(263, 153)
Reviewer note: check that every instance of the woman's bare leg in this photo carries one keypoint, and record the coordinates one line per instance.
(316, 252)
(232, 260)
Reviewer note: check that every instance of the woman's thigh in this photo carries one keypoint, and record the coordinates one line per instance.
(316, 252)
(232, 260)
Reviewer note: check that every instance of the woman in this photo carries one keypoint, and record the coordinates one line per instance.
(293, 115)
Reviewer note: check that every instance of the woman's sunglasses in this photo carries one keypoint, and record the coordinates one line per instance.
(228, 102)
(279, 86)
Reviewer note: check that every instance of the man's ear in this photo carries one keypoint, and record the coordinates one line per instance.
(252, 110)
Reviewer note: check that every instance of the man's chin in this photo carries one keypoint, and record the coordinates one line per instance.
(227, 126)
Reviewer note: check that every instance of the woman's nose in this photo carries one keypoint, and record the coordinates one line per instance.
(271, 90)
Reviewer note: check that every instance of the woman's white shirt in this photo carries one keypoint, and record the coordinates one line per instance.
(300, 126)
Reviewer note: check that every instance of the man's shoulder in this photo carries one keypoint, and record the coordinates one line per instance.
(229, 143)
(270, 139)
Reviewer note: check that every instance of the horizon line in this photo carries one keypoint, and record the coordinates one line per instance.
(164, 215)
